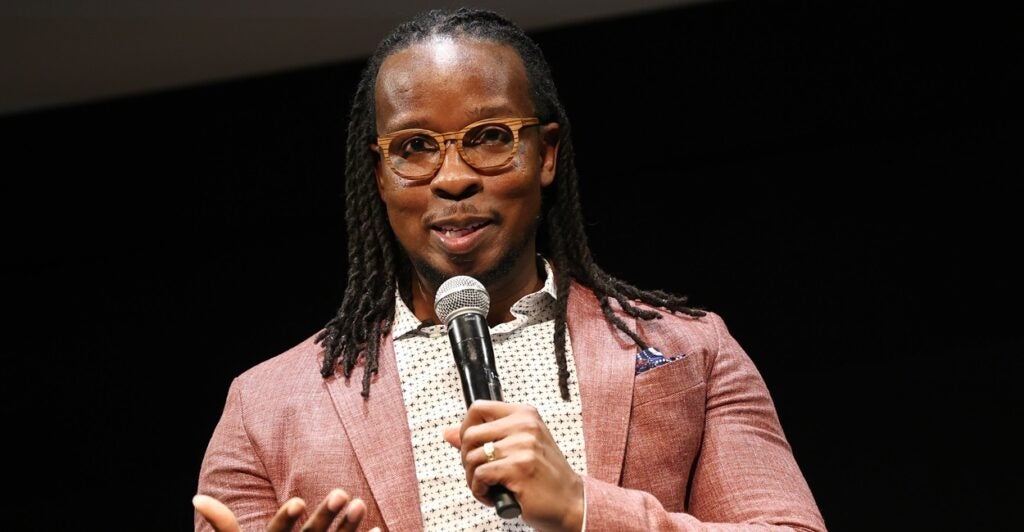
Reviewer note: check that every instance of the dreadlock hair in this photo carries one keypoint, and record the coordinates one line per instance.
(377, 265)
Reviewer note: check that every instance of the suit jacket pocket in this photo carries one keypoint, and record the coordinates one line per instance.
(667, 379)
(665, 432)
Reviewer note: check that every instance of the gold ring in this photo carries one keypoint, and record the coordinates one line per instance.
(489, 451)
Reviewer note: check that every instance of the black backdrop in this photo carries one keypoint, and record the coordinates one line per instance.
(835, 180)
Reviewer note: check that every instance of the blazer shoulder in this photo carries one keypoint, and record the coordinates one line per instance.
(294, 369)
(681, 328)
(677, 334)
(672, 334)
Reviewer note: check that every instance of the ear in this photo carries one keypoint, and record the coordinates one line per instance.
(549, 153)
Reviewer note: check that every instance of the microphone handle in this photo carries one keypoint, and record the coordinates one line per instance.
(504, 502)
(471, 345)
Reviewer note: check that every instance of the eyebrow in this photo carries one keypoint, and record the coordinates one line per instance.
(411, 123)
(472, 115)
(486, 111)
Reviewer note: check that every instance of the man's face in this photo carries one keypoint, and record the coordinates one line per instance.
(464, 221)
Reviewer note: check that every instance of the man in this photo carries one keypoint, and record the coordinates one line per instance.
(460, 162)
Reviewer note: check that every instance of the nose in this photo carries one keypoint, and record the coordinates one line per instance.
(455, 179)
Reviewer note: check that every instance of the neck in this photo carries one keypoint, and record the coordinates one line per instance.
(505, 292)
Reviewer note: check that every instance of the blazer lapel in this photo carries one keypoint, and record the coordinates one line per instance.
(605, 367)
(378, 430)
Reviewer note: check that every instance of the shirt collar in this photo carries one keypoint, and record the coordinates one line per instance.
(531, 306)
(549, 280)
(405, 321)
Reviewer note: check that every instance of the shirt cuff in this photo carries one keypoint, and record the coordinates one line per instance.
(584, 527)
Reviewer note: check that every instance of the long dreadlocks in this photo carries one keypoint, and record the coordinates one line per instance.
(377, 265)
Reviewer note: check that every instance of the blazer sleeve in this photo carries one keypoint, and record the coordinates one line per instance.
(745, 477)
(232, 471)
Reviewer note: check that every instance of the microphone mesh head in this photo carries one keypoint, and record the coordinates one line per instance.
(461, 292)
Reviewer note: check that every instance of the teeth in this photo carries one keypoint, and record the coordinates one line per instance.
(459, 231)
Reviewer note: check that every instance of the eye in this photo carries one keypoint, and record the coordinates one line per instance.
(418, 144)
(489, 135)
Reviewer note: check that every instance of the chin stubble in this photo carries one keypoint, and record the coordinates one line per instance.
(505, 266)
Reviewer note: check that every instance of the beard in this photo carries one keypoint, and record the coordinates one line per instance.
(505, 265)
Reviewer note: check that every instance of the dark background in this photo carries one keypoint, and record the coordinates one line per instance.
(836, 180)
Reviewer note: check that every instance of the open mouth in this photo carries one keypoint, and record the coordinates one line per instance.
(450, 231)
(460, 238)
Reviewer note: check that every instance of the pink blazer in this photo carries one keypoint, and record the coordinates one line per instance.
(690, 445)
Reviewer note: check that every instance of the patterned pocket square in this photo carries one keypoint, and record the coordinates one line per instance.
(651, 358)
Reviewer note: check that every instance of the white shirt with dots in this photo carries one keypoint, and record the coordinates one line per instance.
(524, 351)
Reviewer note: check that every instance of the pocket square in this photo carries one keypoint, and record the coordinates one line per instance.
(651, 358)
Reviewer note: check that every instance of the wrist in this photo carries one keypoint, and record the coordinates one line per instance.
(576, 514)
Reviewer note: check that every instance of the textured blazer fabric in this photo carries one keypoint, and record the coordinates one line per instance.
(689, 441)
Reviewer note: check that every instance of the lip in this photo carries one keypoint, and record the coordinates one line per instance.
(458, 236)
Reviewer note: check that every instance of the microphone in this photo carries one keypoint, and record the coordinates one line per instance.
(462, 304)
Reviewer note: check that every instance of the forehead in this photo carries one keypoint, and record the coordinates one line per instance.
(447, 82)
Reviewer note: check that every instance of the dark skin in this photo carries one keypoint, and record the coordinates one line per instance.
(444, 84)
(337, 505)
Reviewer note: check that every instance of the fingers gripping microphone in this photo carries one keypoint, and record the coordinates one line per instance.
(462, 304)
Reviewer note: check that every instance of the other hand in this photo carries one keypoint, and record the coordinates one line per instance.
(337, 501)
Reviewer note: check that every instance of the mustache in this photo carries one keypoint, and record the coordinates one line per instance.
(467, 209)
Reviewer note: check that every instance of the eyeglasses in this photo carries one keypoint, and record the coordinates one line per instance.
(486, 145)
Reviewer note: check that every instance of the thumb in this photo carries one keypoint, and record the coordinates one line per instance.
(216, 514)
(451, 435)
